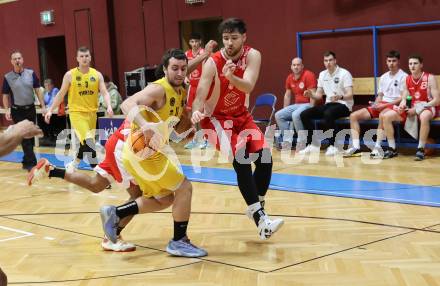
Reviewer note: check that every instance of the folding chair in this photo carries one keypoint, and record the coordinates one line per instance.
(264, 101)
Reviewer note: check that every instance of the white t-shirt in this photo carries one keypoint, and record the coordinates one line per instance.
(336, 84)
(391, 85)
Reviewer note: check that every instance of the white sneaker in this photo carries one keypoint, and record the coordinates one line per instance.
(377, 153)
(267, 227)
(353, 152)
(119, 246)
(72, 166)
(40, 171)
(331, 151)
(309, 149)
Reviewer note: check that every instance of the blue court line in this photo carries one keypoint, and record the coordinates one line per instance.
(361, 189)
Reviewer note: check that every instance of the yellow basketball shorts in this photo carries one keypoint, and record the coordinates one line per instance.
(157, 175)
(84, 124)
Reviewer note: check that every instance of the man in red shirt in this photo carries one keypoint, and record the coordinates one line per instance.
(228, 75)
(422, 88)
(297, 82)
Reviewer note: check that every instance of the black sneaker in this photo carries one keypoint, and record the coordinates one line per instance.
(420, 154)
(390, 153)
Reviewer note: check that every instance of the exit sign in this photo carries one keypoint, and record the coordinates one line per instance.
(47, 17)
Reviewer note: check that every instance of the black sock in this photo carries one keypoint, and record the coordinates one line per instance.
(127, 209)
(119, 229)
(57, 173)
(180, 229)
(258, 214)
(246, 182)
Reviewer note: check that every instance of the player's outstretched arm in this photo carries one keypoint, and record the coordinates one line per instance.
(209, 70)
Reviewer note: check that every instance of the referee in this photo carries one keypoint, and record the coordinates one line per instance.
(18, 99)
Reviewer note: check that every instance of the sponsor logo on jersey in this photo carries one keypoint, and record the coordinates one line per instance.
(231, 98)
(86, 92)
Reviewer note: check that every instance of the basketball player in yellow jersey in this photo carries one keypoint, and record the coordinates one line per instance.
(157, 175)
(84, 85)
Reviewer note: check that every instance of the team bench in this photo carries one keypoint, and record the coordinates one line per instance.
(363, 90)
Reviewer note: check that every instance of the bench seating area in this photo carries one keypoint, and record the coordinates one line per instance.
(363, 90)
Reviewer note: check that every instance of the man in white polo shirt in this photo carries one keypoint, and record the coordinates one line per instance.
(390, 86)
(337, 84)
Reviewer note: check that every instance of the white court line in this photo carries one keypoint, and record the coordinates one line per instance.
(375, 198)
(49, 238)
(25, 233)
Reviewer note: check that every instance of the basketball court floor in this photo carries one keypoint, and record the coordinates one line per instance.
(348, 221)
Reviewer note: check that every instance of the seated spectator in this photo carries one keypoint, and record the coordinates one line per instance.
(115, 96)
(390, 86)
(420, 96)
(49, 92)
(297, 83)
(337, 84)
(57, 123)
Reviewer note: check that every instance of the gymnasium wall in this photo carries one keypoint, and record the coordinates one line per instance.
(140, 30)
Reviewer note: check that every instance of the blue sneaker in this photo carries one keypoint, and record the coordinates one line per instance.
(203, 145)
(184, 247)
(190, 145)
(110, 222)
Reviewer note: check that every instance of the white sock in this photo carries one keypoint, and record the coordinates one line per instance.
(253, 208)
(392, 143)
(261, 198)
(356, 143)
(421, 144)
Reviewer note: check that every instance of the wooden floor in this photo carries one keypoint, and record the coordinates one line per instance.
(50, 234)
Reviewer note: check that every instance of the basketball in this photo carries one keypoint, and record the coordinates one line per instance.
(138, 141)
(430, 151)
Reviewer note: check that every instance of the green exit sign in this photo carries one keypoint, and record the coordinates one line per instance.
(47, 17)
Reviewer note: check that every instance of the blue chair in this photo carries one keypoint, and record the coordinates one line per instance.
(264, 101)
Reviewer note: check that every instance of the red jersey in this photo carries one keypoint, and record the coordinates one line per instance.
(195, 75)
(418, 89)
(307, 80)
(118, 133)
(231, 100)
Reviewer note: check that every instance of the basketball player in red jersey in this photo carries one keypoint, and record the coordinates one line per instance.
(422, 88)
(195, 41)
(228, 75)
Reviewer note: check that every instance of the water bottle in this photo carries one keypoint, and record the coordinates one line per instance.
(408, 101)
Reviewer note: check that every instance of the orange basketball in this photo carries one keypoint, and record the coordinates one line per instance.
(430, 151)
(138, 141)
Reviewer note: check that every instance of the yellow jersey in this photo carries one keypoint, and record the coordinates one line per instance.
(172, 109)
(84, 91)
